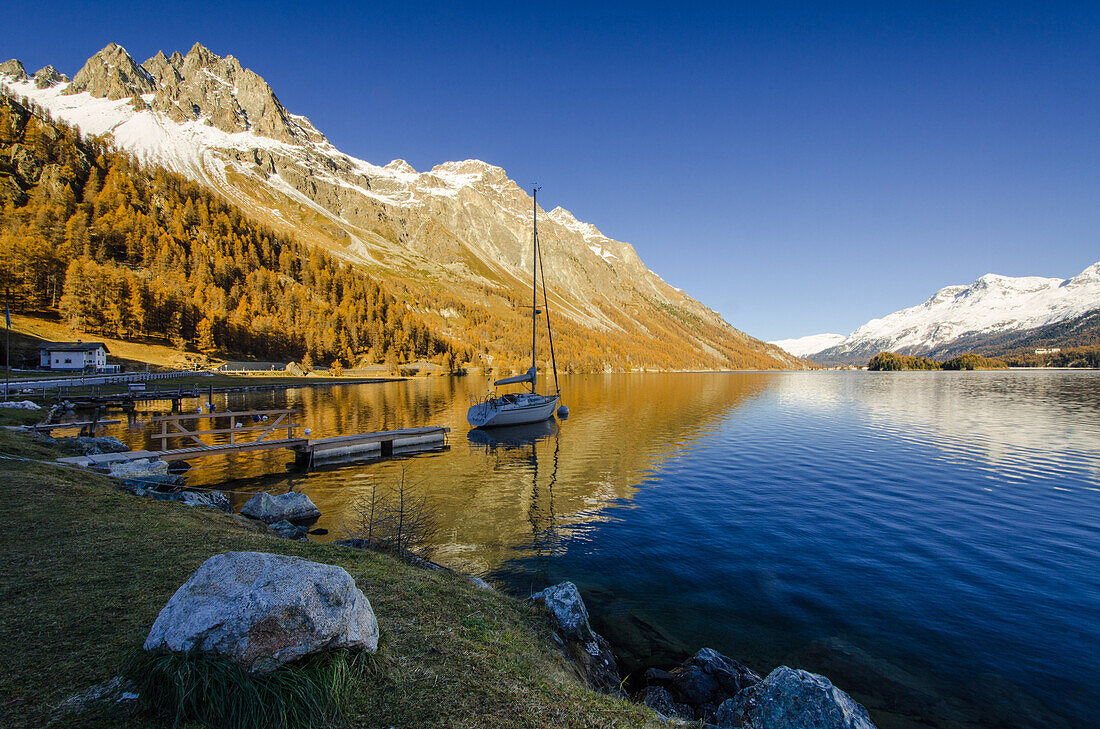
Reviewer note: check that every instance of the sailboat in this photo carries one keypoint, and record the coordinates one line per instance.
(517, 408)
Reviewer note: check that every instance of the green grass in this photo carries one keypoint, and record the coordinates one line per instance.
(18, 416)
(216, 692)
(87, 567)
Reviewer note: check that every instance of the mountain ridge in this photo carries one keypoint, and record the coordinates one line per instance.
(993, 315)
(462, 226)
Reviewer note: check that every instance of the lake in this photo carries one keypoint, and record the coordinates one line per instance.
(928, 540)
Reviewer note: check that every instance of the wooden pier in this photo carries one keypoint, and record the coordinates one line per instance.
(381, 444)
(266, 423)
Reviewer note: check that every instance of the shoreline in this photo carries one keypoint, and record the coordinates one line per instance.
(98, 564)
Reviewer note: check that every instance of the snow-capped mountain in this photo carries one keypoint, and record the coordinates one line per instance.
(803, 346)
(460, 226)
(992, 310)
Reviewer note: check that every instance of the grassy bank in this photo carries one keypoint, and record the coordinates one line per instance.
(87, 567)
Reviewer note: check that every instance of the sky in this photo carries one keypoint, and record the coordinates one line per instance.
(799, 167)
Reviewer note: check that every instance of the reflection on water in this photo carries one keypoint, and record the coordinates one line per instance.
(928, 540)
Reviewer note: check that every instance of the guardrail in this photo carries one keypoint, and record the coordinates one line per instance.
(53, 384)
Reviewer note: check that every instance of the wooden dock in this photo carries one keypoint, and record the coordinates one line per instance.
(265, 423)
(72, 424)
(382, 444)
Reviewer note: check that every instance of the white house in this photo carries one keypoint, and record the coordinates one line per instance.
(74, 356)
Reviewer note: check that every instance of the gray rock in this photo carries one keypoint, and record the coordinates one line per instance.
(707, 679)
(567, 608)
(792, 699)
(286, 530)
(291, 506)
(93, 445)
(480, 583)
(210, 499)
(149, 470)
(661, 701)
(116, 695)
(263, 610)
(588, 650)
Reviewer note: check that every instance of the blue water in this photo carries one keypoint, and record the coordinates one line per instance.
(945, 525)
(929, 541)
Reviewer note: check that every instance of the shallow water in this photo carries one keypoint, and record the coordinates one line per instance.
(930, 541)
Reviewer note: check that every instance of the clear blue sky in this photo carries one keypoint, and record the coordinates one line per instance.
(798, 167)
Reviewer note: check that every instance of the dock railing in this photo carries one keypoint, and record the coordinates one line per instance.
(171, 426)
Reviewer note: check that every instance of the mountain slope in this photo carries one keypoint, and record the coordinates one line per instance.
(454, 239)
(992, 316)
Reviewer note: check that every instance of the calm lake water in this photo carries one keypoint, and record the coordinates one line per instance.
(929, 541)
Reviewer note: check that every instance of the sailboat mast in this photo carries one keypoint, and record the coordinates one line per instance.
(534, 280)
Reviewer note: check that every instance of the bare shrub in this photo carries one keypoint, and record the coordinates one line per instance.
(397, 517)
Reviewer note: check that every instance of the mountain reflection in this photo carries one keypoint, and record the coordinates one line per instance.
(1018, 423)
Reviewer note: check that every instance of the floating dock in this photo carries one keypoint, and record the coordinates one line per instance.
(381, 444)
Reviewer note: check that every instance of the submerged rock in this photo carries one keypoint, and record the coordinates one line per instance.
(263, 610)
(291, 506)
(792, 699)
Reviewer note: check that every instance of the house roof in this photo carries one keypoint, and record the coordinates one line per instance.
(73, 347)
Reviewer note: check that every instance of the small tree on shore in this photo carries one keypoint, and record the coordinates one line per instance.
(397, 517)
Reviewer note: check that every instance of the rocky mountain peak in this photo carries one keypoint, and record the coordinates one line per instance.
(112, 73)
(400, 165)
(13, 68)
(201, 55)
(164, 71)
(48, 76)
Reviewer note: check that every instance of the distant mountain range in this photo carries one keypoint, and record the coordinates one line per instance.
(993, 316)
(453, 241)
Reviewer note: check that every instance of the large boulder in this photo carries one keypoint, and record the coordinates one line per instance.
(263, 610)
(291, 506)
(792, 699)
(586, 648)
(704, 681)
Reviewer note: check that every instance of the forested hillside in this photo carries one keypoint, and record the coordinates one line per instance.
(122, 252)
(123, 249)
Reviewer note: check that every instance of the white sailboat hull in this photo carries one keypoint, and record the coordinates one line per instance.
(512, 410)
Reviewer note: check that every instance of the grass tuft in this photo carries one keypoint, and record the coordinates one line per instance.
(214, 691)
